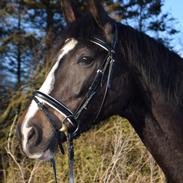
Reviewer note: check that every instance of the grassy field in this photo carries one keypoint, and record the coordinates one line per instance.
(110, 153)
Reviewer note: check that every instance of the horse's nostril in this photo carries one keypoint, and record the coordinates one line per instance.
(31, 134)
(34, 136)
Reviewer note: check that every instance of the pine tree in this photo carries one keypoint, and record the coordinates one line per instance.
(23, 26)
(145, 16)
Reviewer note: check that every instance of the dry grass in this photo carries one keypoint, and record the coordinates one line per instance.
(111, 153)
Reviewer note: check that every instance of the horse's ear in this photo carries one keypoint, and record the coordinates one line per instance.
(101, 17)
(70, 11)
(97, 11)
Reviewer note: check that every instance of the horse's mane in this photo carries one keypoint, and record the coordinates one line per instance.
(85, 28)
(159, 67)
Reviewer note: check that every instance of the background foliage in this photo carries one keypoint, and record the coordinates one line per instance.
(111, 153)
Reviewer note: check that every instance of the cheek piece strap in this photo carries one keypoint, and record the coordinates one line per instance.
(70, 124)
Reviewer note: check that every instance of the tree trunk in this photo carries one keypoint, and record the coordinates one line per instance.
(19, 60)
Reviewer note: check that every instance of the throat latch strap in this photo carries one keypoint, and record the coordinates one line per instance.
(70, 157)
(70, 160)
(52, 161)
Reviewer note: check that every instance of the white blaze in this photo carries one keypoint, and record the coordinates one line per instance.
(46, 88)
(48, 84)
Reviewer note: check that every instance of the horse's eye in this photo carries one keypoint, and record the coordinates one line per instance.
(85, 60)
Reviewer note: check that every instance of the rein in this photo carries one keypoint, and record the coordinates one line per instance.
(72, 117)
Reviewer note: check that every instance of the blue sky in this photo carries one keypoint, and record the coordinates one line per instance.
(175, 7)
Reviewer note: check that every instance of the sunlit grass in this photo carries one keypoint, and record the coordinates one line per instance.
(110, 153)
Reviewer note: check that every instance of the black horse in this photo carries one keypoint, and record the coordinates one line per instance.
(102, 68)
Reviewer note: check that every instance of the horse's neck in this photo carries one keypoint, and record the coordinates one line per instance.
(161, 134)
(159, 123)
(160, 126)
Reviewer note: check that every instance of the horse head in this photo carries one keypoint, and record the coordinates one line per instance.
(79, 89)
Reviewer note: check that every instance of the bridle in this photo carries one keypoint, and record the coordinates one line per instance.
(72, 117)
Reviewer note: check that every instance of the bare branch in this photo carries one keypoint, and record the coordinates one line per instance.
(9, 151)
